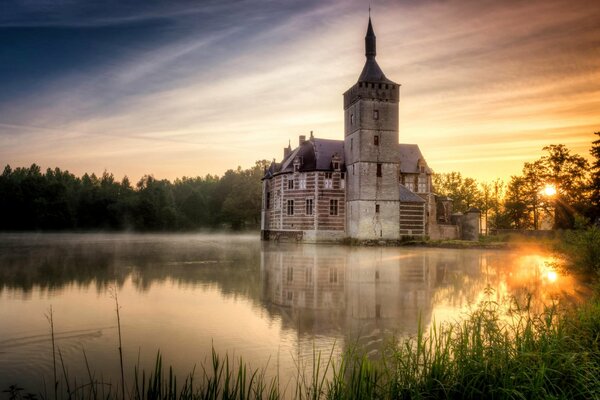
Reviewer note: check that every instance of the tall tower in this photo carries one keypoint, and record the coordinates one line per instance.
(371, 151)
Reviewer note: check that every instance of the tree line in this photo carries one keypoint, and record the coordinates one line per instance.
(58, 200)
(525, 201)
(31, 199)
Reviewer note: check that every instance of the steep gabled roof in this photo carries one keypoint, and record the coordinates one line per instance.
(410, 154)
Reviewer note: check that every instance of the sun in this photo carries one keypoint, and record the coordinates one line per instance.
(549, 190)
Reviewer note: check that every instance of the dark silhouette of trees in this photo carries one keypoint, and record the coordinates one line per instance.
(58, 200)
(594, 209)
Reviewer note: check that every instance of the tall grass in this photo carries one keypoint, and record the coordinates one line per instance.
(492, 354)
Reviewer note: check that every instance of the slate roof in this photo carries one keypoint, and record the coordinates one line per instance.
(409, 155)
(371, 72)
(315, 155)
(406, 196)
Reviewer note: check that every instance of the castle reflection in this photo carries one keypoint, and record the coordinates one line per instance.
(366, 295)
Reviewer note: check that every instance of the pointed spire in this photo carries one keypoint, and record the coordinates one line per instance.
(370, 50)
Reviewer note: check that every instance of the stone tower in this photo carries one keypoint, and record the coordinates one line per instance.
(371, 151)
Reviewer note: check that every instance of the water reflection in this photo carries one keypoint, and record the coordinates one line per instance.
(184, 293)
(368, 294)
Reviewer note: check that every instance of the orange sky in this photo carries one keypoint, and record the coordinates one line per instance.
(485, 85)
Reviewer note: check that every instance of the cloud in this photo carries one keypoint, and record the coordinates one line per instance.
(222, 84)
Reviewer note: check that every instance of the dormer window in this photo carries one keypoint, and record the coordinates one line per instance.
(422, 168)
(336, 165)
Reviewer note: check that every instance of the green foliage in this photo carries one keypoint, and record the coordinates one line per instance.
(582, 248)
(463, 191)
(58, 200)
(594, 210)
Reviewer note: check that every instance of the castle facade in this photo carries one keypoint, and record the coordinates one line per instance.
(367, 186)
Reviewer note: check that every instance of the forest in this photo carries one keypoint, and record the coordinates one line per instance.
(57, 200)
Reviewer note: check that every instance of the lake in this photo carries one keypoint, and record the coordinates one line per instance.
(272, 304)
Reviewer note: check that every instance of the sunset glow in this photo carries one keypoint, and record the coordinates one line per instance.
(550, 190)
(189, 88)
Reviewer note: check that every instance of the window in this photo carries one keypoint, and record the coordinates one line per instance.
(351, 119)
(375, 114)
(379, 170)
(336, 165)
(377, 208)
(423, 184)
(268, 202)
(309, 206)
(290, 207)
(290, 183)
(333, 207)
(351, 143)
(328, 183)
(290, 274)
(309, 275)
(376, 140)
(302, 183)
(422, 169)
(333, 275)
(296, 167)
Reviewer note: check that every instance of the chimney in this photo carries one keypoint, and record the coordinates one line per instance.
(311, 136)
(301, 140)
(287, 151)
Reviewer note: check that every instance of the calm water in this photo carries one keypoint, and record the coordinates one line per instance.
(269, 303)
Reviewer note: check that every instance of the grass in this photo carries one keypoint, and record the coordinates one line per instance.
(494, 353)
(491, 354)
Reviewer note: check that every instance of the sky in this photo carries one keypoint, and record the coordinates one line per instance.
(192, 87)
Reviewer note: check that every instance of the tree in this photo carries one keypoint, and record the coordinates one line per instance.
(463, 191)
(568, 173)
(532, 187)
(515, 204)
(594, 211)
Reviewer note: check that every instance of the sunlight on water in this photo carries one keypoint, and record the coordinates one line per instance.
(274, 305)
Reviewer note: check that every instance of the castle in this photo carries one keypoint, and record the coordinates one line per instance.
(365, 187)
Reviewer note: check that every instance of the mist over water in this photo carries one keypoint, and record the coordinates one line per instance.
(268, 303)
